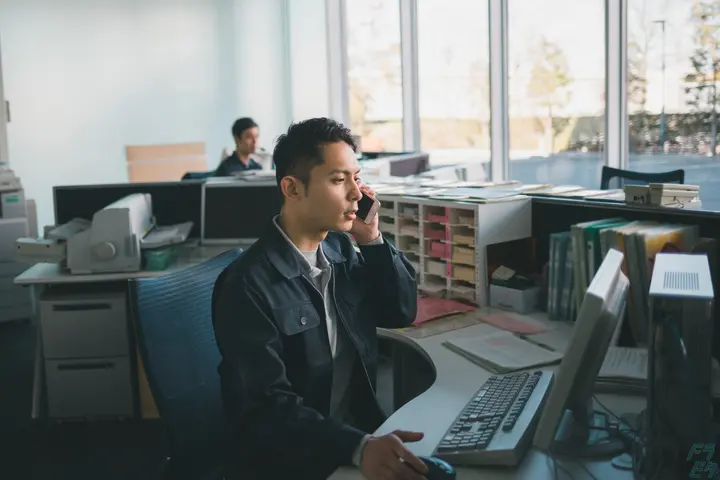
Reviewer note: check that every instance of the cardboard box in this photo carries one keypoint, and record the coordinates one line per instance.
(520, 301)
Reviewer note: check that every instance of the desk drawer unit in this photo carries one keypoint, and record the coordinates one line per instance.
(87, 326)
(89, 388)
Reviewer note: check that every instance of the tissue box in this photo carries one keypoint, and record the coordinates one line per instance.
(518, 300)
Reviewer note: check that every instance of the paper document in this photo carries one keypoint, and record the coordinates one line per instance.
(625, 363)
(507, 322)
(503, 352)
(432, 308)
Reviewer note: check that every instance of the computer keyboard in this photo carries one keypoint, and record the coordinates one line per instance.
(497, 425)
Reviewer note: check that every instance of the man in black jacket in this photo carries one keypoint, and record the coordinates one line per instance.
(295, 319)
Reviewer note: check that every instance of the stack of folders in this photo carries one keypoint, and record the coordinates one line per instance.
(561, 281)
(639, 242)
(503, 352)
(623, 371)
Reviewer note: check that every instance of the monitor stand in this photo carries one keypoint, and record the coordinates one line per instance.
(584, 433)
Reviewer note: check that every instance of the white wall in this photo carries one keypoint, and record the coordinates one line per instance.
(308, 62)
(87, 77)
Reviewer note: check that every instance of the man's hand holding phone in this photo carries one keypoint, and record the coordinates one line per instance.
(365, 229)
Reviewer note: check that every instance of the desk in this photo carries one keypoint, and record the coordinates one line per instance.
(457, 380)
(45, 275)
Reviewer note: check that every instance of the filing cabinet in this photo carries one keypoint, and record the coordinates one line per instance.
(15, 301)
(86, 351)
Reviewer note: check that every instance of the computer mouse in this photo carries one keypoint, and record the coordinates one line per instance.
(438, 469)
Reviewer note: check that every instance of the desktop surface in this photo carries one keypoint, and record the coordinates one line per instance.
(456, 381)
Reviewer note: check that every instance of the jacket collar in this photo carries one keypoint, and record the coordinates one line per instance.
(285, 257)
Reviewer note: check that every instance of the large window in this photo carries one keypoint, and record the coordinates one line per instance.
(673, 62)
(556, 88)
(375, 73)
(453, 78)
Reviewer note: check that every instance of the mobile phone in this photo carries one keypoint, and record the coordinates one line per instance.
(367, 208)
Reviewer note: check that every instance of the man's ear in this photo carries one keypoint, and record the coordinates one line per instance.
(292, 188)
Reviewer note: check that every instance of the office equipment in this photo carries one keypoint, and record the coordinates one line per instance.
(173, 202)
(503, 352)
(17, 219)
(568, 426)
(402, 164)
(237, 212)
(679, 413)
(86, 354)
(438, 469)
(628, 177)
(112, 242)
(177, 344)
(496, 426)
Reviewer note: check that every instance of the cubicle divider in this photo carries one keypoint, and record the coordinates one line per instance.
(223, 211)
(173, 202)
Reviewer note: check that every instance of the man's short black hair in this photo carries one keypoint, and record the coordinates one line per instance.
(242, 124)
(299, 150)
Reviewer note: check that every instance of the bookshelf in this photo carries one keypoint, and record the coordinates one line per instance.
(447, 241)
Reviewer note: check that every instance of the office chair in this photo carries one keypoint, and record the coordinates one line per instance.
(198, 175)
(627, 177)
(173, 320)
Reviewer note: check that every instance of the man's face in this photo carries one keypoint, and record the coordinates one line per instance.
(330, 200)
(247, 141)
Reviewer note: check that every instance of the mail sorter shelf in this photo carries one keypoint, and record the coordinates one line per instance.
(450, 240)
(86, 348)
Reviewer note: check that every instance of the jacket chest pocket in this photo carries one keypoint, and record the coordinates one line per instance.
(296, 319)
(305, 342)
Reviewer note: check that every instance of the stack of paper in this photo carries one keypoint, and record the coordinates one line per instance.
(503, 352)
(624, 370)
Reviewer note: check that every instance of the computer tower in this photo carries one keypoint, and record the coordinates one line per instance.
(679, 410)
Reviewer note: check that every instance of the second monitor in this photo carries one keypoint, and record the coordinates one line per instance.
(238, 211)
(569, 425)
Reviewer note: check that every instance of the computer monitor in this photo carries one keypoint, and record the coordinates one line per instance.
(569, 425)
(237, 212)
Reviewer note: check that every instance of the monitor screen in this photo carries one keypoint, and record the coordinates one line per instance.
(239, 211)
(173, 202)
(568, 425)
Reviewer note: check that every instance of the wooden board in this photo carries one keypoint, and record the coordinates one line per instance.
(163, 163)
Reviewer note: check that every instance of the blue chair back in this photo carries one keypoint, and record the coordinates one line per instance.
(173, 321)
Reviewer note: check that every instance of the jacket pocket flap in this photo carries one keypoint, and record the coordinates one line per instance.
(296, 319)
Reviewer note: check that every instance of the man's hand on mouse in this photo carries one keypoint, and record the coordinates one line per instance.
(386, 458)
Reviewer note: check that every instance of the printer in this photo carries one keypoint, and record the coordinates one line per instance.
(112, 242)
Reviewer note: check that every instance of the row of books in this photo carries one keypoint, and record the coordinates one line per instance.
(575, 257)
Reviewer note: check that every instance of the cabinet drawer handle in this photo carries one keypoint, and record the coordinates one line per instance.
(84, 306)
(86, 366)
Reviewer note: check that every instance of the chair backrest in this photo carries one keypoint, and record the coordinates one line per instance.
(173, 320)
(197, 175)
(627, 177)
